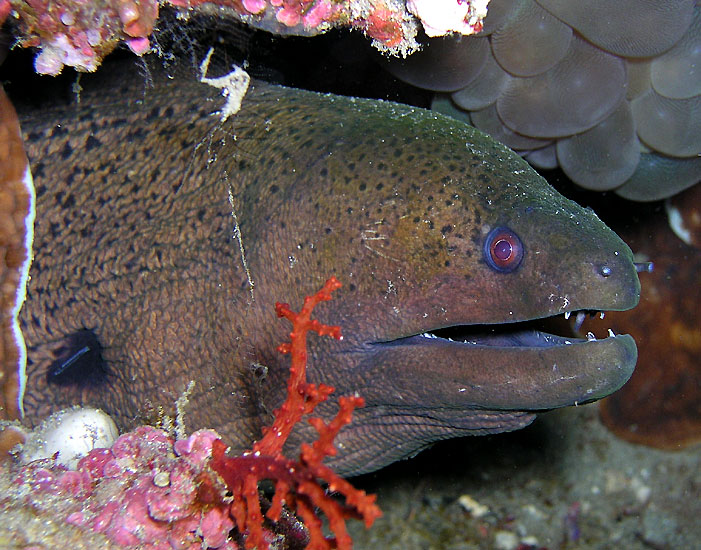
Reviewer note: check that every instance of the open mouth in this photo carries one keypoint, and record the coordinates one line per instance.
(559, 330)
(532, 365)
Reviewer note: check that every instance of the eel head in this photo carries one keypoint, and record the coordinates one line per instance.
(446, 275)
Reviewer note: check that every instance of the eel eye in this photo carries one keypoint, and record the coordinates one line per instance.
(503, 249)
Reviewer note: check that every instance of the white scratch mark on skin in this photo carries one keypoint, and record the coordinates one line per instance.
(237, 236)
(370, 234)
(233, 86)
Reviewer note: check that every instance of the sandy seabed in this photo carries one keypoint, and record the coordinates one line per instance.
(563, 482)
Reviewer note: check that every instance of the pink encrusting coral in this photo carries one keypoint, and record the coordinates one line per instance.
(156, 493)
(80, 34)
(147, 489)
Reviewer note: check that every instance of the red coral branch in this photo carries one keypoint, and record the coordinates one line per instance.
(298, 484)
(302, 397)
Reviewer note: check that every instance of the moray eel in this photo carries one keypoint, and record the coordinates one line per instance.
(164, 236)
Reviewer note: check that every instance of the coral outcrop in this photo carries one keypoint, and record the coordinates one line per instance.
(155, 492)
(80, 34)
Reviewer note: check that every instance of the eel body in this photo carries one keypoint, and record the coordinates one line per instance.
(164, 236)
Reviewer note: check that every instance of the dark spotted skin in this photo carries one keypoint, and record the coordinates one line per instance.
(135, 241)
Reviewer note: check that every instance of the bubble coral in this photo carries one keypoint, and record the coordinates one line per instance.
(609, 90)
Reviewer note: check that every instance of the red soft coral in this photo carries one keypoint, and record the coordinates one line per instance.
(298, 484)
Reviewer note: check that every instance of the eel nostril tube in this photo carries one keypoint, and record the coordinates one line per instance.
(644, 267)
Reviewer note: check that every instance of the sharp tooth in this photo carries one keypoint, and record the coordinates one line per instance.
(579, 320)
(601, 315)
(611, 333)
(590, 336)
(567, 314)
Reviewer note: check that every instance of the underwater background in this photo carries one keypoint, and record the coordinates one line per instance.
(625, 473)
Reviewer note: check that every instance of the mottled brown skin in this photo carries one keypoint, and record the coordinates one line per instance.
(135, 240)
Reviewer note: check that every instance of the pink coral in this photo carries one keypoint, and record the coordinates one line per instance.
(80, 34)
(145, 490)
(5, 9)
